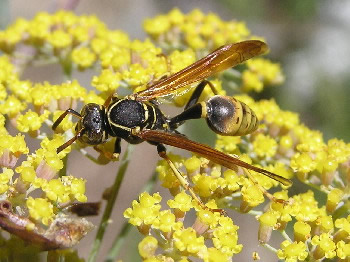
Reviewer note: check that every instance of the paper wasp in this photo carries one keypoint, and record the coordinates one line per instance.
(137, 118)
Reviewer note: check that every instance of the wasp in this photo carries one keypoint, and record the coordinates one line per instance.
(137, 117)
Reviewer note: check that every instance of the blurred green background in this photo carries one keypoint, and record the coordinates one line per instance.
(310, 38)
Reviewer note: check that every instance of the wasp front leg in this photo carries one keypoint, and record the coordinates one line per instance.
(183, 181)
(108, 154)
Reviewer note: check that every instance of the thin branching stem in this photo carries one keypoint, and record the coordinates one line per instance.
(120, 239)
(110, 204)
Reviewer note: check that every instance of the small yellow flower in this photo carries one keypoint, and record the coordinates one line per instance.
(264, 146)
(205, 185)
(136, 75)
(56, 191)
(326, 245)
(147, 247)
(226, 237)
(167, 222)
(31, 121)
(251, 81)
(302, 162)
(326, 223)
(187, 241)
(107, 81)
(334, 198)
(27, 173)
(192, 164)
(83, 57)
(77, 187)
(59, 39)
(292, 252)
(181, 201)
(252, 196)
(12, 106)
(156, 26)
(305, 207)
(302, 231)
(5, 179)
(40, 209)
(231, 180)
(343, 249)
(216, 255)
(145, 211)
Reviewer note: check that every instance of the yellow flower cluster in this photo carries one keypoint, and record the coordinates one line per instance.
(195, 30)
(166, 229)
(281, 144)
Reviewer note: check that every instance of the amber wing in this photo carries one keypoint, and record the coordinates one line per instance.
(219, 60)
(206, 151)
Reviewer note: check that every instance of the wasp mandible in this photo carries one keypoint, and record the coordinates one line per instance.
(137, 118)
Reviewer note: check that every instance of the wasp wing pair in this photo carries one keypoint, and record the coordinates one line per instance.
(219, 60)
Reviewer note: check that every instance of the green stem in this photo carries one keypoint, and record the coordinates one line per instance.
(120, 239)
(63, 171)
(110, 203)
(285, 235)
(271, 248)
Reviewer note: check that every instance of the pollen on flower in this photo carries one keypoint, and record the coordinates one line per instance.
(147, 247)
(12, 106)
(325, 246)
(166, 222)
(56, 191)
(302, 162)
(11, 147)
(333, 199)
(187, 241)
(27, 174)
(205, 185)
(40, 209)
(31, 121)
(302, 231)
(252, 196)
(145, 211)
(83, 57)
(156, 26)
(226, 237)
(76, 187)
(292, 252)
(107, 81)
(265, 146)
(59, 39)
(181, 201)
(5, 179)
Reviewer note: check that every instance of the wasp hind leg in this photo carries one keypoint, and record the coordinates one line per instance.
(184, 182)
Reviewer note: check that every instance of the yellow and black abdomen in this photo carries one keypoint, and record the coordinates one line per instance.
(228, 116)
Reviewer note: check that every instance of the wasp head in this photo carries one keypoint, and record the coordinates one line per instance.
(91, 125)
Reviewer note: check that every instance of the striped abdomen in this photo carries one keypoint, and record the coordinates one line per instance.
(230, 117)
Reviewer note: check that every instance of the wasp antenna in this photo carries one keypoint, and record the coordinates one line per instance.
(70, 141)
(60, 119)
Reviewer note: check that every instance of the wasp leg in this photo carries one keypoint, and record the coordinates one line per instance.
(185, 184)
(198, 91)
(70, 141)
(109, 155)
(60, 119)
(263, 190)
(193, 109)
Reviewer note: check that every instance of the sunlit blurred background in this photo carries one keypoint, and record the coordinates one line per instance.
(309, 38)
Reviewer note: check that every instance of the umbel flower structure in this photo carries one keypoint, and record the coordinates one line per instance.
(37, 190)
